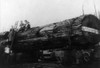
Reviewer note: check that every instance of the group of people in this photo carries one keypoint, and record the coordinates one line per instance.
(24, 26)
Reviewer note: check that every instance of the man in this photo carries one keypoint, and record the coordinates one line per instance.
(11, 35)
(22, 27)
(27, 25)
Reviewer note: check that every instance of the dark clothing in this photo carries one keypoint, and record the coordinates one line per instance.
(27, 27)
(11, 35)
(22, 29)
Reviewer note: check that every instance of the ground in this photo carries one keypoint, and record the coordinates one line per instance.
(93, 64)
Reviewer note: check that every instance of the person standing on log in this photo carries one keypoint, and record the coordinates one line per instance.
(27, 25)
(11, 35)
(22, 27)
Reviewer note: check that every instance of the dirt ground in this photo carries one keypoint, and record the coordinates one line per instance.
(93, 64)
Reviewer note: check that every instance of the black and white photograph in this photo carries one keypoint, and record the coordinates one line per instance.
(49, 33)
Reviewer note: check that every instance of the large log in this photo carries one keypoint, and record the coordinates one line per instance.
(82, 31)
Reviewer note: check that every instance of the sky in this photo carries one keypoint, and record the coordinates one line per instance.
(42, 12)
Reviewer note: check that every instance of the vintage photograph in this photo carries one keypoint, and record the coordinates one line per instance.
(49, 33)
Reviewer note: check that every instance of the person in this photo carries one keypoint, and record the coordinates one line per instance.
(27, 25)
(22, 27)
(11, 35)
(16, 26)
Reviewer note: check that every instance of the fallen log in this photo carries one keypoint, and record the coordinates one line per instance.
(79, 32)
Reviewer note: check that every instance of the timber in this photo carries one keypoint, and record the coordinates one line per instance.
(67, 33)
